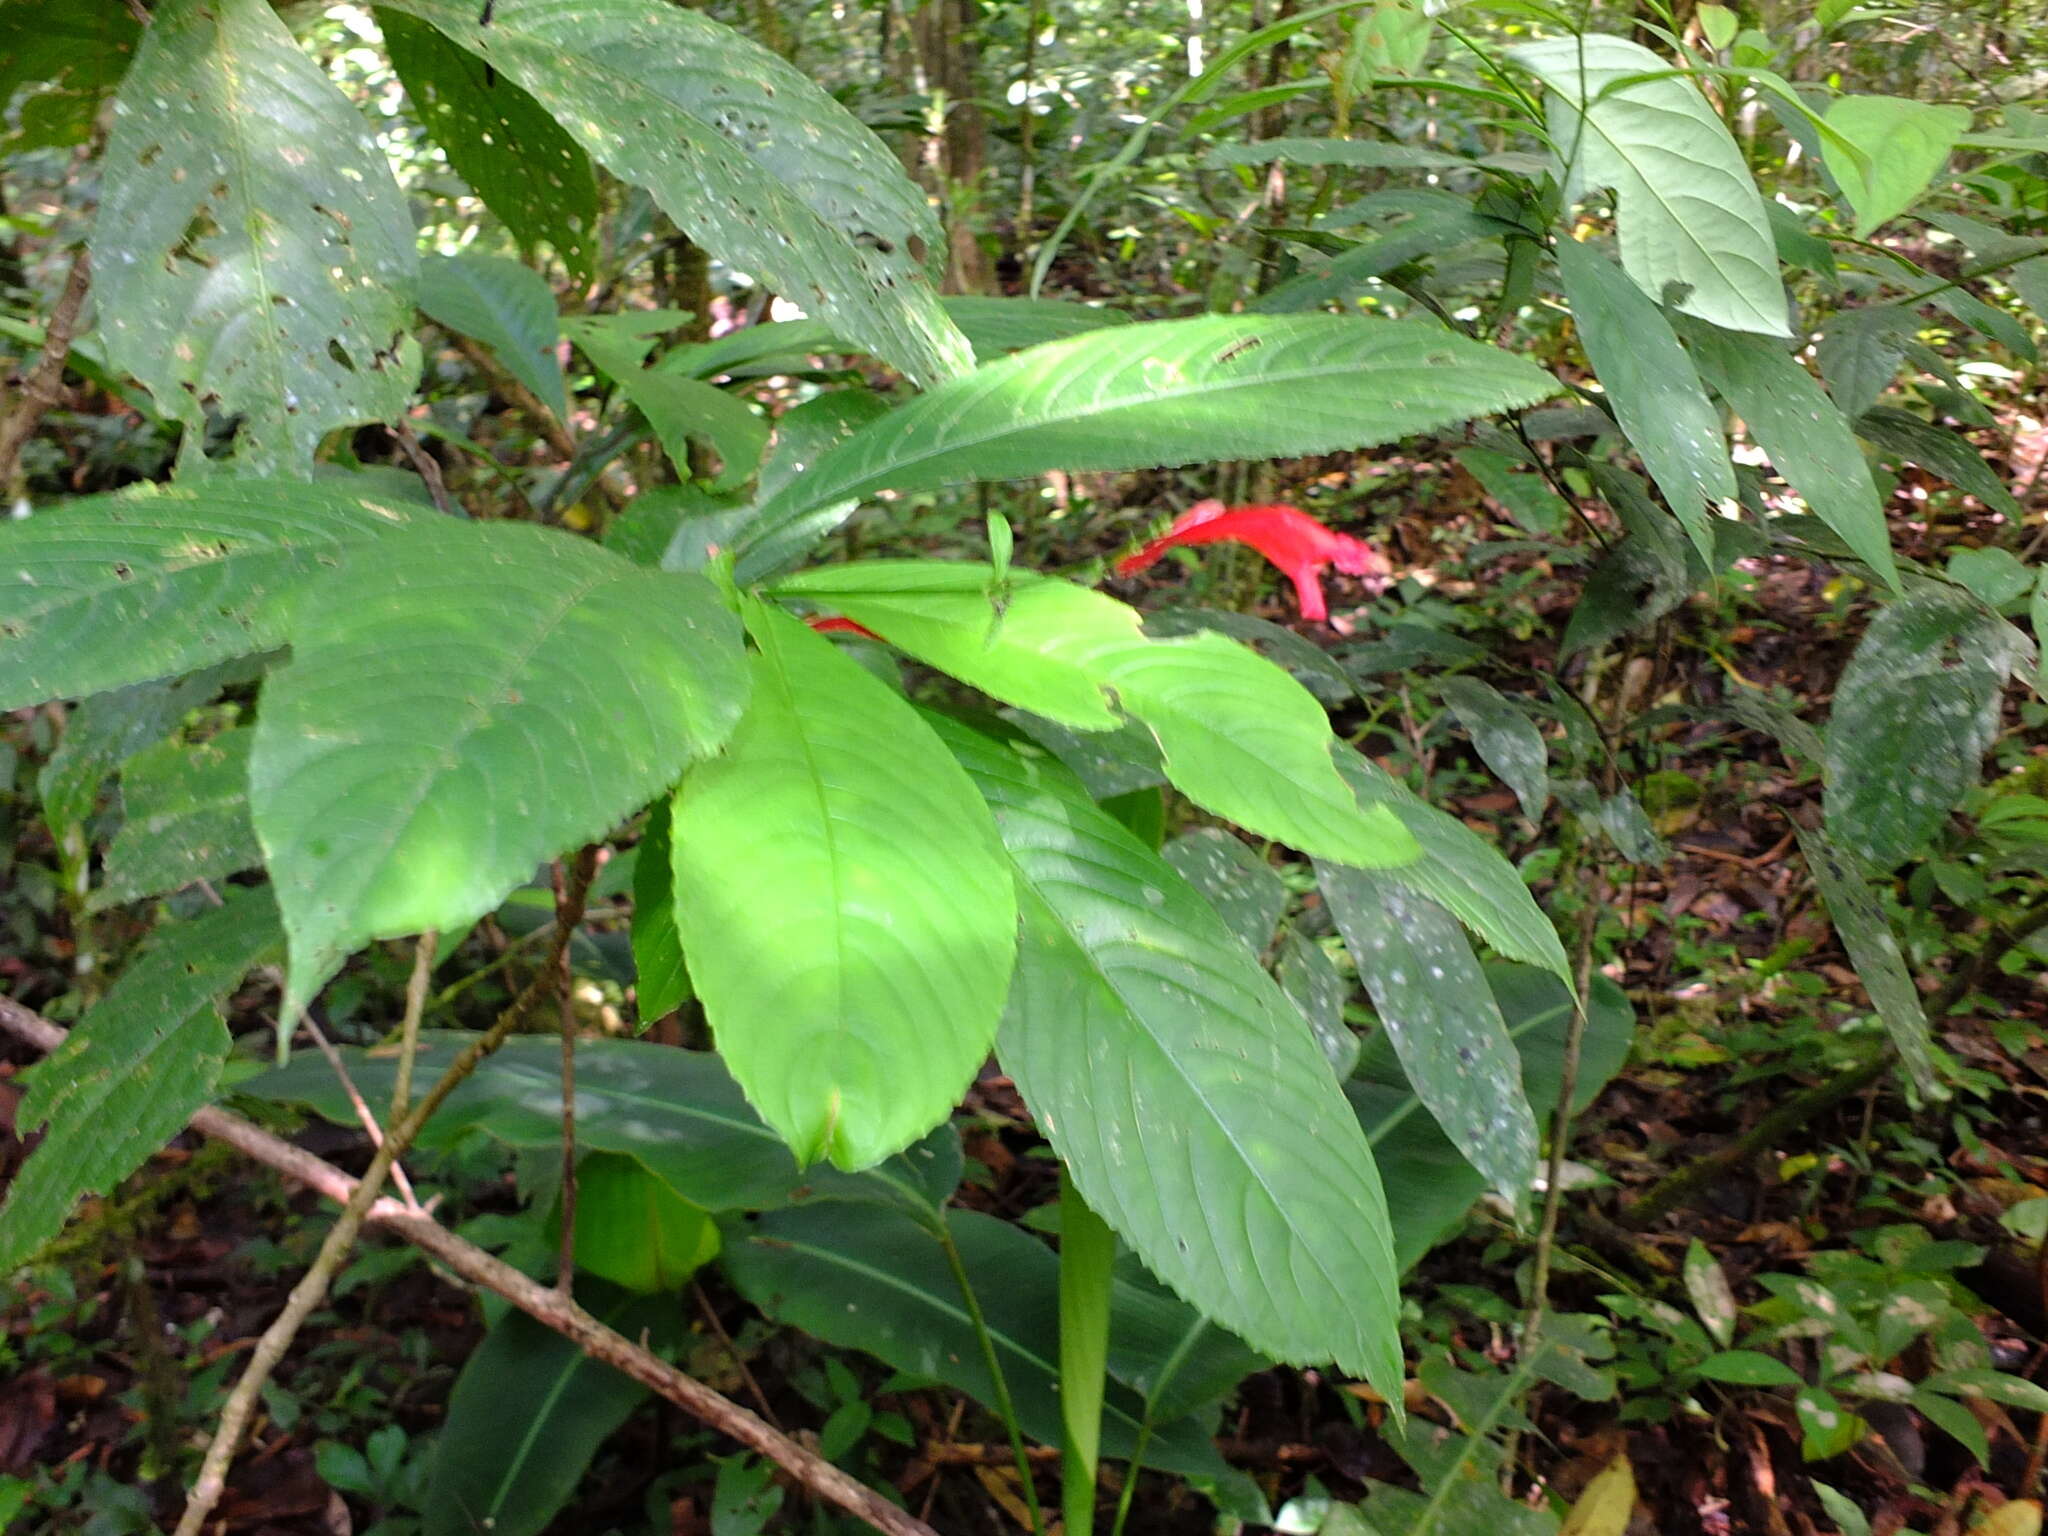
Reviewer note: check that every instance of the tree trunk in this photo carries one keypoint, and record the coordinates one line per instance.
(957, 154)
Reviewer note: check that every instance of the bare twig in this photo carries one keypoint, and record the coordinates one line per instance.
(428, 466)
(565, 1260)
(42, 389)
(364, 1113)
(409, 1030)
(538, 1301)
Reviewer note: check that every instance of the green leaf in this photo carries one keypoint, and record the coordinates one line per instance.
(111, 590)
(508, 307)
(1167, 392)
(1632, 585)
(1914, 712)
(2037, 615)
(880, 1282)
(681, 410)
(57, 68)
(134, 1070)
(1748, 1368)
(1087, 1289)
(1866, 934)
(1325, 280)
(251, 250)
(1240, 737)
(1177, 1082)
(463, 701)
(104, 729)
(1939, 451)
(185, 815)
(1308, 978)
(662, 977)
(1528, 497)
(514, 156)
(1437, 1010)
(1505, 738)
(994, 326)
(1995, 575)
(844, 904)
(1804, 432)
(1656, 394)
(749, 157)
(1692, 227)
(1903, 144)
(527, 1415)
(1244, 889)
(1372, 154)
(634, 1230)
(1859, 352)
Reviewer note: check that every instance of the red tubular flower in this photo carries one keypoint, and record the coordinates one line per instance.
(1287, 536)
(840, 626)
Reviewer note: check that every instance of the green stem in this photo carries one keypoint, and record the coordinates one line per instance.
(1005, 1405)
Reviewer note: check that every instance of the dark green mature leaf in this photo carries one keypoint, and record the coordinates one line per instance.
(514, 156)
(1634, 584)
(1325, 280)
(507, 306)
(1529, 499)
(1239, 736)
(527, 1414)
(1435, 1006)
(106, 728)
(111, 590)
(994, 326)
(463, 701)
(1505, 738)
(251, 249)
(57, 66)
(845, 906)
(1190, 1103)
(681, 410)
(661, 976)
(1656, 394)
(185, 817)
(134, 1070)
(1859, 353)
(880, 1282)
(1866, 934)
(1692, 226)
(1940, 451)
(1167, 392)
(751, 158)
(1913, 714)
(1307, 976)
(1243, 888)
(1810, 444)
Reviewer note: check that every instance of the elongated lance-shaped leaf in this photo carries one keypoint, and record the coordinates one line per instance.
(661, 976)
(1438, 1011)
(507, 306)
(1656, 394)
(751, 158)
(251, 249)
(138, 1064)
(185, 817)
(1941, 451)
(1167, 392)
(1188, 1099)
(844, 904)
(1866, 933)
(1691, 223)
(112, 590)
(1506, 739)
(1240, 737)
(1806, 435)
(460, 705)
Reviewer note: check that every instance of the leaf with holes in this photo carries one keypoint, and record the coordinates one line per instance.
(185, 817)
(460, 706)
(57, 68)
(507, 306)
(251, 250)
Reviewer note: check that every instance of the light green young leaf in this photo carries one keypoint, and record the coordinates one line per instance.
(1505, 738)
(1995, 575)
(185, 817)
(751, 158)
(505, 305)
(1656, 393)
(462, 701)
(1177, 1081)
(1805, 434)
(1436, 1008)
(1904, 144)
(844, 903)
(661, 975)
(107, 591)
(1166, 392)
(1087, 1289)
(251, 250)
(1866, 934)
(634, 1230)
(1692, 227)
(135, 1068)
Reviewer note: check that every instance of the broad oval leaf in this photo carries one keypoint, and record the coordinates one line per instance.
(185, 817)
(1506, 739)
(1691, 223)
(251, 249)
(506, 305)
(462, 703)
(1168, 392)
(845, 906)
(107, 591)
(1188, 1099)
(634, 1230)
(749, 156)
(1903, 144)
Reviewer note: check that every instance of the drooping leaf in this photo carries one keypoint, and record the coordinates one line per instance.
(751, 158)
(1176, 1081)
(1436, 1008)
(1913, 714)
(1940, 451)
(1306, 975)
(1691, 223)
(1529, 499)
(460, 699)
(508, 307)
(1806, 435)
(1239, 736)
(1505, 738)
(185, 813)
(1656, 393)
(251, 249)
(1325, 280)
(634, 1230)
(57, 68)
(135, 1068)
(844, 903)
(1634, 584)
(1243, 888)
(1867, 935)
(1167, 392)
(107, 591)
(661, 976)
(513, 154)
(1903, 144)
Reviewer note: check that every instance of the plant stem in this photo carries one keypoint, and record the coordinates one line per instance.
(409, 1031)
(565, 1259)
(1005, 1406)
(43, 388)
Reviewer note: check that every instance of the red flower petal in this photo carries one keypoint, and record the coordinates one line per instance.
(1287, 536)
(840, 626)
